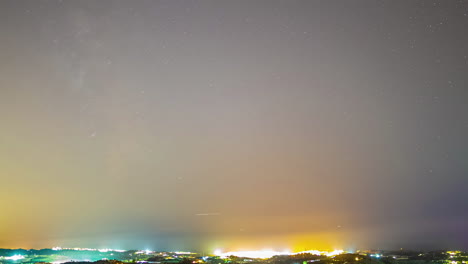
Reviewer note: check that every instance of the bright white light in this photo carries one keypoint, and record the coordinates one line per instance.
(15, 257)
(110, 250)
(61, 261)
(334, 252)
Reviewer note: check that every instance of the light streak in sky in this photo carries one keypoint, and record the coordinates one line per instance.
(207, 214)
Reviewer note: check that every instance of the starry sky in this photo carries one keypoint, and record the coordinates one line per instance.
(195, 125)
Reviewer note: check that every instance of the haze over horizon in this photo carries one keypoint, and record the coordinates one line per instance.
(195, 125)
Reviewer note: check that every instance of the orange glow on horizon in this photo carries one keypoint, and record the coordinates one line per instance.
(268, 253)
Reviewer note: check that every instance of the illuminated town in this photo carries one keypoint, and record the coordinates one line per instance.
(58, 255)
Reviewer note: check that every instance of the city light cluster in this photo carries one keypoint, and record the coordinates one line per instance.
(322, 252)
(147, 252)
(263, 254)
(90, 249)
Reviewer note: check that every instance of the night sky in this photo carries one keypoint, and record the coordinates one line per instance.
(195, 125)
